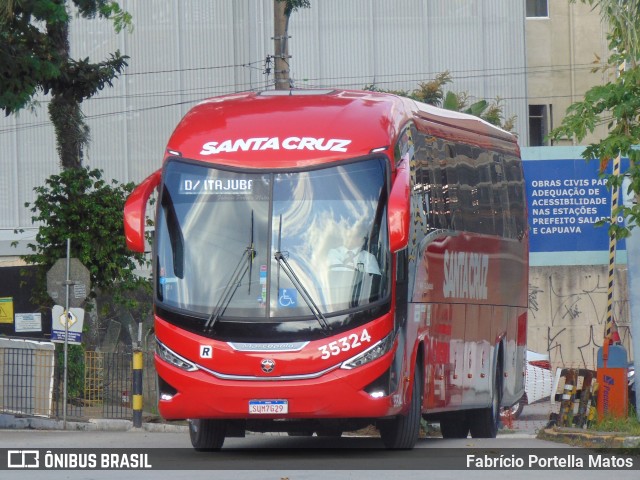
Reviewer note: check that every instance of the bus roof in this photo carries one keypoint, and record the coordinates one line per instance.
(277, 129)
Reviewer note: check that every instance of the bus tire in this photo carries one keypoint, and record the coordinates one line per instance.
(207, 435)
(454, 425)
(329, 432)
(301, 433)
(402, 432)
(484, 423)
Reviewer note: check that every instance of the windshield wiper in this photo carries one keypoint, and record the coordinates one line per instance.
(234, 282)
(176, 239)
(282, 261)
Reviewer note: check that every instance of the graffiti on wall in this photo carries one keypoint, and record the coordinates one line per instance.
(568, 313)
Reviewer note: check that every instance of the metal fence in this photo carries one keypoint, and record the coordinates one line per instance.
(26, 380)
(99, 384)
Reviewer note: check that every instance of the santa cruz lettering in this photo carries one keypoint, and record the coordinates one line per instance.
(465, 275)
(274, 143)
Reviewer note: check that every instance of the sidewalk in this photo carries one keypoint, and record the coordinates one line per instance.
(8, 421)
(589, 438)
(572, 436)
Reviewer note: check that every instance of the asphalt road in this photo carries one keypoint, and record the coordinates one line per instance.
(279, 457)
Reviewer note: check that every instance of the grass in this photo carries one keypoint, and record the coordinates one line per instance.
(629, 425)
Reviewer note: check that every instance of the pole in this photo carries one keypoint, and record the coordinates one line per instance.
(138, 364)
(609, 326)
(281, 45)
(66, 336)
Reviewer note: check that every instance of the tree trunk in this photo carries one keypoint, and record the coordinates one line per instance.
(72, 134)
(280, 45)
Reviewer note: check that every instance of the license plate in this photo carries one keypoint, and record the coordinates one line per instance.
(268, 407)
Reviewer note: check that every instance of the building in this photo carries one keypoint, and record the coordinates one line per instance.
(182, 52)
(537, 55)
(565, 42)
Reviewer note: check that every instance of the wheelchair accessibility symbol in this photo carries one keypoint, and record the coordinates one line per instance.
(288, 297)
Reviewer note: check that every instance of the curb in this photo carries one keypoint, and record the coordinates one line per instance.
(10, 422)
(590, 439)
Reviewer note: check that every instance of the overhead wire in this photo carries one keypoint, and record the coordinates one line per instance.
(412, 78)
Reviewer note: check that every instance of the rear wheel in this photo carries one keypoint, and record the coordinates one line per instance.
(484, 423)
(301, 433)
(329, 432)
(454, 425)
(207, 435)
(402, 432)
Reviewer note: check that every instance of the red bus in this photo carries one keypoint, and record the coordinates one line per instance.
(326, 260)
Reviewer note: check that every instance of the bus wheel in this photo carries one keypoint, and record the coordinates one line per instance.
(484, 422)
(402, 432)
(301, 433)
(329, 432)
(454, 425)
(207, 435)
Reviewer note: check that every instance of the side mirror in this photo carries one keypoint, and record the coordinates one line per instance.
(398, 209)
(134, 211)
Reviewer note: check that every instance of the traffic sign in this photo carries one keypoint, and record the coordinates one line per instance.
(79, 282)
(70, 322)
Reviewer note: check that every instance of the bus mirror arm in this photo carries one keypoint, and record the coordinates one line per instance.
(398, 209)
(135, 210)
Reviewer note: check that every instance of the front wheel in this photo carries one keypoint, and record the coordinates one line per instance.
(402, 432)
(207, 435)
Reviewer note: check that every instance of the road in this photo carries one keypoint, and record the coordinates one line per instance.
(271, 456)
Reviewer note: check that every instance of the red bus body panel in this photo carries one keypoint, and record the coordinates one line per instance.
(336, 394)
(470, 293)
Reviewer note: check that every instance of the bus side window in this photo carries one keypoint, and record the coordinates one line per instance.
(421, 188)
(467, 195)
(515, 182)
(484, 187)
(450, 189)
(502, 214)
(404, 147)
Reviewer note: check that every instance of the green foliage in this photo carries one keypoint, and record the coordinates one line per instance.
(615, 104)
(80, 205)
(628, 425)
(433, 93)
(35, 58)
(293, 5)
(75, 369)
(623, 19)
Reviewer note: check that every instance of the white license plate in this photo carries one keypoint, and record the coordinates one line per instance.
(268, 407)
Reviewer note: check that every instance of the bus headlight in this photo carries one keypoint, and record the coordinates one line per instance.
(370, 354)
(173, 358)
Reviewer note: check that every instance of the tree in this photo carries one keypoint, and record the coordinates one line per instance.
(35, 57)
(282, 10)
(616, 104)
(432, 92)
(80, 205)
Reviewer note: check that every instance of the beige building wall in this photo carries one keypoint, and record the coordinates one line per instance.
(568, 312)
(561, 51)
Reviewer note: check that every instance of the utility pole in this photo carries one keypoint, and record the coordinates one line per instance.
(281, 45)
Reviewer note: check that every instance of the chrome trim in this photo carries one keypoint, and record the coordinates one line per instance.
(224, 376)
(307, 376)
(267, 347)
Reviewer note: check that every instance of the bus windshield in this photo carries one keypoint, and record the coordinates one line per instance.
(272, 245)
